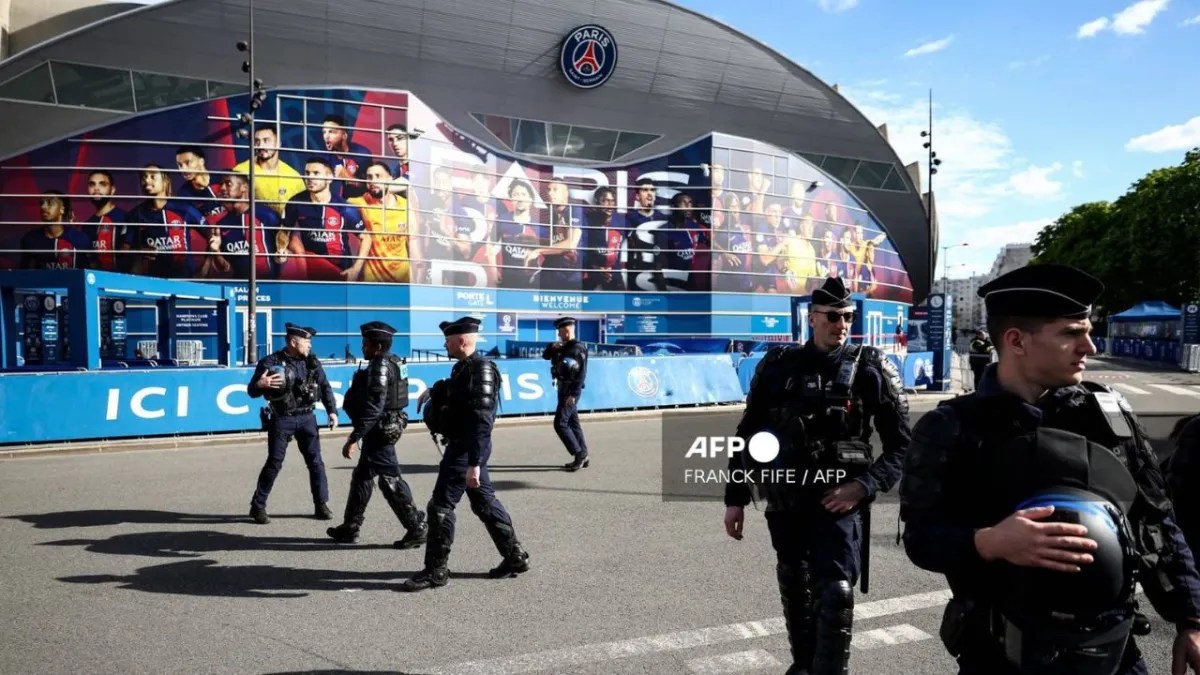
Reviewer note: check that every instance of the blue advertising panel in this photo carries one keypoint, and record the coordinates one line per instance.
(941, 339)
(1191, 323)
(168, 401)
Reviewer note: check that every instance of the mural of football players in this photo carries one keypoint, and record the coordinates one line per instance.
(866, 281)
(603, 238)
(799, 265)
(685, 256)
(275, 181)
(475, 214)
(54, 246)
(719, 197)
(397, 137)
(771, 242)
(197, 189)
(162, 228)
(347, 159)
(564, 230)
(644, 220)
(798, 207)
(106, 227)
(756, 201)
(439, 236)
(385, 216)
(734, 257)
(228, 241)
(321, 229)
(520, 237)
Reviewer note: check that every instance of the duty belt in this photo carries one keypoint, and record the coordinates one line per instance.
(280, 411)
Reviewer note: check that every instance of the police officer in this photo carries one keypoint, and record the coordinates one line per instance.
(1182, 470)
(292, 381)
(462, 409)
(980, 354)
(818, 401)
(1040, 500)
(375, 402)
(568, 365)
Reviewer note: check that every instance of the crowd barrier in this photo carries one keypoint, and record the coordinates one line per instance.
(916, 369)
(679, 345)
(1167, 350)
(516, 349)
(1189, 358)
(163, 402)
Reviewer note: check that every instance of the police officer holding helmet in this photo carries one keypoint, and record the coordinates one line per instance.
(375, 402)
(462, 410)
(292, 381)
(568, 365)
(817, 401)
(1040, 500)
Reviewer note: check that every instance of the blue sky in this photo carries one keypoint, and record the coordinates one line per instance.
(1038, 106)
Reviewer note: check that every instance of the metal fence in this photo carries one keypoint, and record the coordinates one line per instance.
(1189, 358)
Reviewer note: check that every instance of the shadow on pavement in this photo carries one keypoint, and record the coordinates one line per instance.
(210, 579)
(198, 544)
(344, 672)
(102, 517)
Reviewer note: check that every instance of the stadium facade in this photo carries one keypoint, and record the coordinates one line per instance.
(644, 167)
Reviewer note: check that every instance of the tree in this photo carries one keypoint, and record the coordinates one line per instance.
(1144, 246)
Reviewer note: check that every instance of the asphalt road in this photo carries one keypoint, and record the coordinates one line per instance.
(146, 562)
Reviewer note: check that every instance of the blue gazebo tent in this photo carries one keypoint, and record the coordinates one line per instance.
(1151, 310)
(1148, 330)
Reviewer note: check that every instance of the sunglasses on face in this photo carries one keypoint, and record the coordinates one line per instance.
(834, 316)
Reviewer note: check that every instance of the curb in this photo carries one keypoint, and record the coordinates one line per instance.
(252, 437)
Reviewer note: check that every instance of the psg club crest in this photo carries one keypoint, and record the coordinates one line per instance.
(589, 56)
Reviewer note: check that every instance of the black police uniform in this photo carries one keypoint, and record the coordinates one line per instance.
(568, 366)
(1182, 471)
(979, 356)
(979, 458)
(375, 402)
(290, 415)
(462, 409)
(820, 407)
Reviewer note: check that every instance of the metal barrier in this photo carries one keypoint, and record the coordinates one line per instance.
(188, 352)
(1189, 358)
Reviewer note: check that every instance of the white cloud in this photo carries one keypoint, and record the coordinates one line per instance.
(1194, 21)
(1036, 182)
(1132, 20)
(1077, 168)
(1091, 28)
(836, 6)
(1024, 232)
(930, 47)
(1169, 138)
(1031, 63)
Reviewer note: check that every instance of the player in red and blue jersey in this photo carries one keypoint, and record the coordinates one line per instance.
(162, 227)
(106, 228)
(685, 256)
(321, 229)
(735, 243)
(520, 237)
(644, 221)
(54, 246)
(229, 240)
(348, 160)
(603, 239)
(198, 188)
(564, 230)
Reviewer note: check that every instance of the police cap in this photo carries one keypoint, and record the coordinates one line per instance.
(832, 293)
(300, 331)
(376, 329)
(466, 324)
(1043, 291)
(564, 321)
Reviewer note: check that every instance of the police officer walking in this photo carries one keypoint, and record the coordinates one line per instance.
(292, 381)
(818, 401)
(568, 366)
(375, 402)
(462, 409)
(1040, 500)
(980, 355)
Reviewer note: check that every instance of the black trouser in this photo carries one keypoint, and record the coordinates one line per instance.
(378, 460)
(566, 425)
(447, 492)
(983, 656)
(818, 556)
(304, 429)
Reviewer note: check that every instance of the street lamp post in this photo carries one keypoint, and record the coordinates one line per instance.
(257, 97)
(946, 262)
(933, 164)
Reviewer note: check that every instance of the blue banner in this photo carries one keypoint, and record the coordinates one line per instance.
(1191, 323)
(940, 336)
(918, 370)
(668, 346)
(168, 401)
(516, 349)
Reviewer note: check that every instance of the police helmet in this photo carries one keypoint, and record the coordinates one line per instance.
(289, 380)
(568, 367)
(1104, 584)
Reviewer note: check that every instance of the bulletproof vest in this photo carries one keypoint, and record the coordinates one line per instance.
(474, 384)
(807, 412)
(298, 393)
(568, 362)
(397, 396)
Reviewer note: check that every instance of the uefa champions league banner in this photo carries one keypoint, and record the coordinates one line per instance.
(166, 402)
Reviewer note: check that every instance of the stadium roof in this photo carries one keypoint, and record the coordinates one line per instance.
(680, 75)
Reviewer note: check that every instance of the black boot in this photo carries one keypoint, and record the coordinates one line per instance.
(259, 514)
(513, 564)
(835, 619)
(580, 462)
(398, 496)
(322, 512)
(343, 534)
(795, 594)
(435, 578)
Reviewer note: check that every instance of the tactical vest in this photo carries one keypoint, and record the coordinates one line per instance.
(394, 418)
(302, 395)
(819, 424)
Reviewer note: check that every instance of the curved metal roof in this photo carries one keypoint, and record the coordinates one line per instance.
(680, 75)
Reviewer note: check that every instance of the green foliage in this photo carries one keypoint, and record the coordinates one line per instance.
(1144, 246)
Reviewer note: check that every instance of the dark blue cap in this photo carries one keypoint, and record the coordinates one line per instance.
(467, 324)
(300, 331)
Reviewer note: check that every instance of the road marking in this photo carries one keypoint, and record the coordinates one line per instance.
(887, 637)
(1182, 391)
(1131, 389)
(733, 663)
(558, 660)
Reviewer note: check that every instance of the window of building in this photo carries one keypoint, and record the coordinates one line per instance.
(92, 86)
(32, 85)
(549, 139)
(151, 90)
(870, 174)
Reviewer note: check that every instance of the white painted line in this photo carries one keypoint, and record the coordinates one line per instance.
(733, 663)
(1131, 389)
(558, 660)
(887, 637)
(1182, 391)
